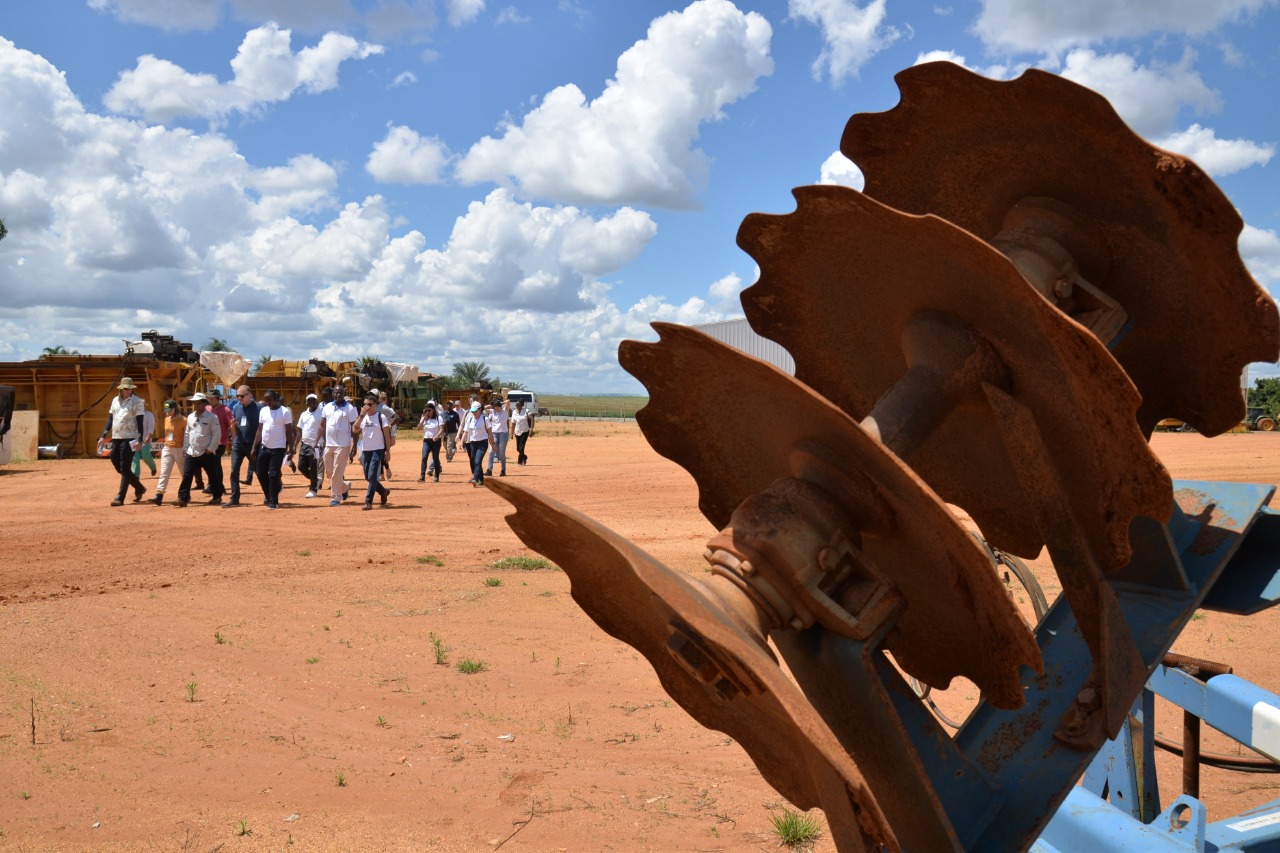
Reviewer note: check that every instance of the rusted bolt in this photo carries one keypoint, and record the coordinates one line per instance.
(688, 655)
(1088, 699)
(1062, 288)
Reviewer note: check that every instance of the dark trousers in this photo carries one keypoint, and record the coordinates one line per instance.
(122, 461)
(309, 465)
(431, 449)
(239, 453)
(520, 442)
(475, 452)
(270, 461)
(371, 460)
(206, 464)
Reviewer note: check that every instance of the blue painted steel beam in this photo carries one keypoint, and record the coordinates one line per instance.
(1233, 706)
(1030, 768)
(1087, 823)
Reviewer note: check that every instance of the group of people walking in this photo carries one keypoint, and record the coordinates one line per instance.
(329, 434)
(482, 429)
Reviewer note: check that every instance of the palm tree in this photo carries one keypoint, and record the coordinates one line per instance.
(469, 373)
(260, 363)
(59, 350)
(217, 345)
(3, 230)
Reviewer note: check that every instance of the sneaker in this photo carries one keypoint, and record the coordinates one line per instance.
(335, 503)
(489, 473)
(382, 499)
(367, 505)
(310, 495)
(437, 478)
(247, 481)
(503, 474)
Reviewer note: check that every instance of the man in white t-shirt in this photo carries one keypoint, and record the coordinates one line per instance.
(336, 422)
(272, 444)
(309, 444)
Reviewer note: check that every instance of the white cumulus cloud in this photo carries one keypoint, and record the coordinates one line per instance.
(1038, 27)
(403, 20)
(404, 157)
(851, 34)
(1217, 156)
(459, 12)
(1148, 98)
(1261, 252)
(266, 70)
(840, 170)
(116, 227)
(634, 143)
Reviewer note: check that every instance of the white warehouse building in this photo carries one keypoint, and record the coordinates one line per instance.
(739, 335)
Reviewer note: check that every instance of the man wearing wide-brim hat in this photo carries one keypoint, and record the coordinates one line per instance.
(200, 451)
(124, 426)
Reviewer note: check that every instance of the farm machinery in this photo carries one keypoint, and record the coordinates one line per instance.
(1023, 291)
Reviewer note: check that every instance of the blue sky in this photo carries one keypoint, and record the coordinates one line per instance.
(522, 183)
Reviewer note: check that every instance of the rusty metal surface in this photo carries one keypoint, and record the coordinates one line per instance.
(841, 280)
(958, 619)
(968, 149)
(648, 605)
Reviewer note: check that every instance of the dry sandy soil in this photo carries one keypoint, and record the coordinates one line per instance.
(190, 670)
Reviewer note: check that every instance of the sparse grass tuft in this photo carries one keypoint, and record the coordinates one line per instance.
(431, 560)
(26, 795)
(191, 692)
(441, 650)
(303, 553)
(795, 830)
(524, 563)
(244, 829)
(493, 581)
(470, 666)
(382, 723)
(218, 638)
(341, 779)
(313, 660)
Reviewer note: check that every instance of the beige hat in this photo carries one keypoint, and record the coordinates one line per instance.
(127, 383)
(197, 396)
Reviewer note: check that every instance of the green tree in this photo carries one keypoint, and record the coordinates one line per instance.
(260, 363)
(3, 230)
(507, 383)
(216, 345)
(1265, 395)
(368, 361)
(468, 373)
(59, 350)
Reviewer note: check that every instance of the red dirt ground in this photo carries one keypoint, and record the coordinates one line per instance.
(326, 669)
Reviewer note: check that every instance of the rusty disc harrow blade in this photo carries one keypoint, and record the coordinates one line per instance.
(738, 687)
(967, 149)
(738, 424)
(843, 276)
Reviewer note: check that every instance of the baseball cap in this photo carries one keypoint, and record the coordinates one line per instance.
(475, 407)
(312, 397)
(170, 404)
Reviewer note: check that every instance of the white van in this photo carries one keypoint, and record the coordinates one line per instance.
(529, 399)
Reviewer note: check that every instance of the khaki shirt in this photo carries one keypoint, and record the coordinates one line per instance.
(124, 416)
(203, 433)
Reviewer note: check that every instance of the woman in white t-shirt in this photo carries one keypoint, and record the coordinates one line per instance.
(373, 435)
(432, 426)
(478, 438)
